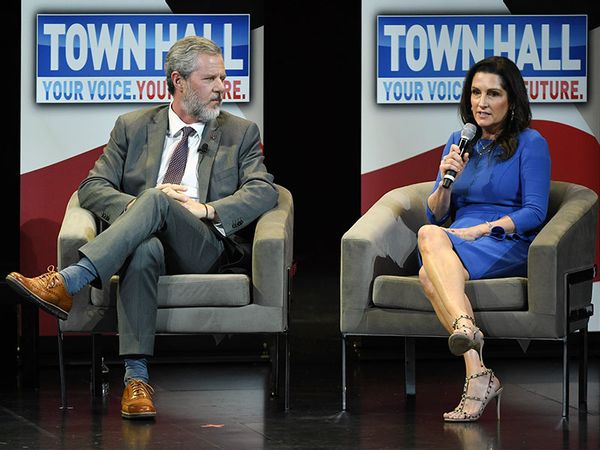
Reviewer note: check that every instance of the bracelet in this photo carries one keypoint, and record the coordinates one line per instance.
(490, 226)
(205, 210)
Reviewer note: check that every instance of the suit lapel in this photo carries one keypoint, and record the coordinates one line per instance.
(157, 130)
(211, 136)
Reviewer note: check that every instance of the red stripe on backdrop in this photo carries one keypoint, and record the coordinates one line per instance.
(575, 157)
(44, 196)
(422, 167)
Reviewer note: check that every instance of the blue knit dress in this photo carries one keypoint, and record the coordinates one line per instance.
(489, 189)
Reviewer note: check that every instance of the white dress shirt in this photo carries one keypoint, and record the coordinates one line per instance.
(174, 135)
(190, 175)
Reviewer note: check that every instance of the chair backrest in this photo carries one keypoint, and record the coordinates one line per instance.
(560, 192)
(407, 205)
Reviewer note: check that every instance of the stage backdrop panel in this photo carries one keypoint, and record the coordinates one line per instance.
(414, 55)
(83, 64)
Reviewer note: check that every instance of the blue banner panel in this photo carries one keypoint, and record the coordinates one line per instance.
(423, 59)
(101, 58)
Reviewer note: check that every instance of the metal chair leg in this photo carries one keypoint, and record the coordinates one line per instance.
(583, 369)
(565, 381)
(286, 403)
(409, 366)
(277, 360)
(61, 368)
(344, 387)
(274, 359)
(96, 365)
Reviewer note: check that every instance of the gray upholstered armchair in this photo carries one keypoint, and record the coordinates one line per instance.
(203, 303)
(381, 294)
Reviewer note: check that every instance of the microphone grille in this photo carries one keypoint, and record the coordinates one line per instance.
(468, 131)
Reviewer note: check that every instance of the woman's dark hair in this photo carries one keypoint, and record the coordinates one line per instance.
(519, 111)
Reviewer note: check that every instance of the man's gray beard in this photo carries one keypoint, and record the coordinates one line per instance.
(201, 111)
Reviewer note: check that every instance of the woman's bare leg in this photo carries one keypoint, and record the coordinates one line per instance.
(443, 279)
(444, 270)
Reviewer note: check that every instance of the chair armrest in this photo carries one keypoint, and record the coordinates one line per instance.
(78, 227)
(566, 244)
(382, 242)
(272, 252)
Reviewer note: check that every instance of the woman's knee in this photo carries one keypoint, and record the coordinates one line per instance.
(428, 232)
(431, 238)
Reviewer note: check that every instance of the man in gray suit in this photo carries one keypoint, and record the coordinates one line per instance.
(176, 189)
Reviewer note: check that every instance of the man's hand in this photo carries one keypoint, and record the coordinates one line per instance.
(176, 191)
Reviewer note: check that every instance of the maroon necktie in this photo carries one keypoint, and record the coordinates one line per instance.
(176, 167)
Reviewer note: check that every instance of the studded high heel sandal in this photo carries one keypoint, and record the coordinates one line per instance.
(465, 338)
(491, 392)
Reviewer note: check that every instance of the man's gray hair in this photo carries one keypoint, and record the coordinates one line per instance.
(183, 56)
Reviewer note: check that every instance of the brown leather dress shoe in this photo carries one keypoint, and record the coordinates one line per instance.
(136, 402)
(47, 291)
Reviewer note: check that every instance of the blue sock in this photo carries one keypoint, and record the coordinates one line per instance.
(78, 275)
(136, 368)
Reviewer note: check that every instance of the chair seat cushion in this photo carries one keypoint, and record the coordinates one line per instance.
(181, 291)
(499, 294)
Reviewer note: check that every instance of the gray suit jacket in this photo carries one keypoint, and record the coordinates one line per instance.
(231, 174)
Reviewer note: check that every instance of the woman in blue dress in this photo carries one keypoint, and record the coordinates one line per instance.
(497, 204)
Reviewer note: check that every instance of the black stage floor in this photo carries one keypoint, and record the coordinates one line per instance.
(226, 404)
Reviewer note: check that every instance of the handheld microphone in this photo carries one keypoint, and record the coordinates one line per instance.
(466, 134)
(203, 148)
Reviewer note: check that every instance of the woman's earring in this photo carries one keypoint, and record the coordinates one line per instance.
(512, 114)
